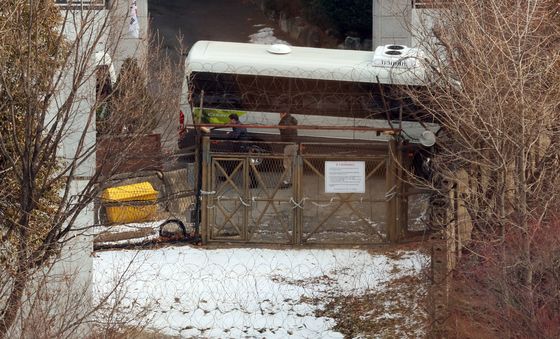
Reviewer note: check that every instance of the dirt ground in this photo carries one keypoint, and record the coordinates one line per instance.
(391, 312)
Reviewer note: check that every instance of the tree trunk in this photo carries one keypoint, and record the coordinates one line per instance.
(13, 303)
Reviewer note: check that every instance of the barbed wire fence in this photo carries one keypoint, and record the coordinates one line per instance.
(232, 293)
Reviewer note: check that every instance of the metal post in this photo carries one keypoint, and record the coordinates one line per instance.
(205, 163)
(297, 179)
(392, 192)
(196, 215)
(246, 197)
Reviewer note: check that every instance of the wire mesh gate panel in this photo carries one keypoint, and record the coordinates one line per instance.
(349, 218)
(249, 202)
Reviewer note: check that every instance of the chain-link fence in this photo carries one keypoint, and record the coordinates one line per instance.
(273, 192)
(150, 196)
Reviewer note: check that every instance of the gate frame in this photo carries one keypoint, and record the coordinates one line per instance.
(396, 194)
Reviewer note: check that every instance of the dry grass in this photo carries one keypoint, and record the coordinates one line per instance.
(398, 309)
(131, 333)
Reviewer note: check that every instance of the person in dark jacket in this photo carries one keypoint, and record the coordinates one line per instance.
(290, 150)
(238, 133)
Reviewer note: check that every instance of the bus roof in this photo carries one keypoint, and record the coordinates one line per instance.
(300, 62)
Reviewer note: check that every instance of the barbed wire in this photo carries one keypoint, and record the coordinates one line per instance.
(300, 91)
(264, 293)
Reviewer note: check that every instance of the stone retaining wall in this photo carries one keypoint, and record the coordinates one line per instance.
(310, 35)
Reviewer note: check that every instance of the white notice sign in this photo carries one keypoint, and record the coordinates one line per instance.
(345, 177)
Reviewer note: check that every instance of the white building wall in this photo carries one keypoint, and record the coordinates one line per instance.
(391, 22)
(399, 22)
(70, 278)
(422, 20)
(76, 258)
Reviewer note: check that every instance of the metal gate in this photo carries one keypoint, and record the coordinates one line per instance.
(344, 217)
(245, 204)
(245, 199)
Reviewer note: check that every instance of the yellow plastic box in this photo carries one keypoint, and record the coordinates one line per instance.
(130, 203)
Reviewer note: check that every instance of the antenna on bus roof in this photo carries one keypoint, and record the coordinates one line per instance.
(279, 49)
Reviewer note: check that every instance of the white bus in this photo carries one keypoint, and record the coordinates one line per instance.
(319, 87)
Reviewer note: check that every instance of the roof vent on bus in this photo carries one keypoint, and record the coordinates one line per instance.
(396, 56)
(279, 49)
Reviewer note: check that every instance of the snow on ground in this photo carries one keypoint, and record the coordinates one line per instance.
(232, 293)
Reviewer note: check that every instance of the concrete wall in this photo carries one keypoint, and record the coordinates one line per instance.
(58, 293)
(391, 22)
(64, 288)
(398, 22)
(422, 20)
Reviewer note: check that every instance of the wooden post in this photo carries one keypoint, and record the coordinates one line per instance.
(391, 194)
(458, 230)
(205, 163)
(439, 289)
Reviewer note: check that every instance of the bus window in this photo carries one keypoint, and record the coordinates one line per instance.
(300, 96)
